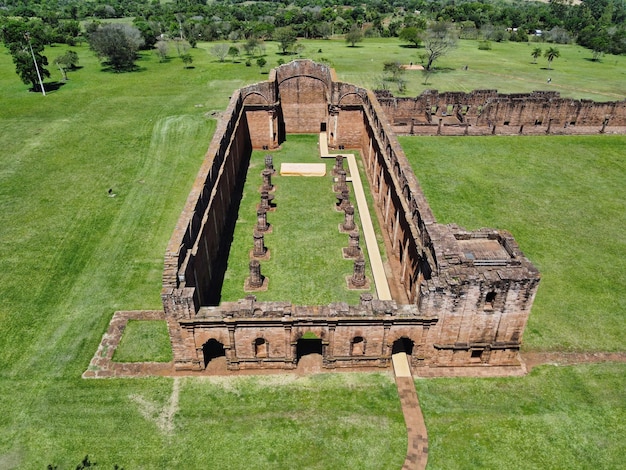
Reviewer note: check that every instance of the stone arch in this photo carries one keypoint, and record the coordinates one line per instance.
(256, 93)
(350, 93)
(261, 347)
(403, 344)
(357, 346)
(212, 349)
(307, 344)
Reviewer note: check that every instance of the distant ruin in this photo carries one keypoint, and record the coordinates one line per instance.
(487, 112)
(461, 299)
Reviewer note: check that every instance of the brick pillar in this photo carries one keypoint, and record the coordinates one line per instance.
(353, 250)
(261, 220)
(348, 221)
(341, 181)
(344, 199)
(358, 276)
(269, 163)
(267, 180)
(266, 199)
(255, 280)
(259, 246)
(338, 164)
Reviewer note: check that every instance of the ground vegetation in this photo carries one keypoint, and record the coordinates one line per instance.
(72, 253)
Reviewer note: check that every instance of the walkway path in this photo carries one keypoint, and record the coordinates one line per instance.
(417, 447)
(376, 261)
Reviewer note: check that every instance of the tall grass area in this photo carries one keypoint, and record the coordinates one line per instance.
(564, 200)
(306, 266)
(70, 256)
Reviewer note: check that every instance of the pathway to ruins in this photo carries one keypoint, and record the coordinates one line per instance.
(376, 261)
(417, 436)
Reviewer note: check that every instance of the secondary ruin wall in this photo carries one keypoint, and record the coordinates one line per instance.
(487, 112)
(469, 293)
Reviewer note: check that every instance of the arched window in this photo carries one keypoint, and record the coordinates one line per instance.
(490, 300)
(260, 347)
(357, 347)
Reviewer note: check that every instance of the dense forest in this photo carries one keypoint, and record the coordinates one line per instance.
(597, 24)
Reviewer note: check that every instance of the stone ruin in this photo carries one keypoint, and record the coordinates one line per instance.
(487, 112)
(460, 299)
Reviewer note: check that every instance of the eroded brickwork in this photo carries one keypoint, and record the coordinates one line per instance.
(487, 112)
(463, 298)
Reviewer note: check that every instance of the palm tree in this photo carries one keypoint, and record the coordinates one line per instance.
(536, 53)
(551, 54)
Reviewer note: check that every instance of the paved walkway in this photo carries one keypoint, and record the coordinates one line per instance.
(376, 261)
(417, 436)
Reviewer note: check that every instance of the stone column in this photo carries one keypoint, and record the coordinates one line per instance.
(338, 164)
(259, 250)
(344, 199)
(269, 163)
(267, 180)
(261, 220)
(348, 221)
(358, 276)
(256, 279)
(266, 200)
(341, 181)
(353, 250)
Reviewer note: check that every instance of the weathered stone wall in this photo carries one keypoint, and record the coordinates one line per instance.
(469, 293)
(486, 112)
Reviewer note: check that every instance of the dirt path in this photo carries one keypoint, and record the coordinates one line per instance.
(556, 358)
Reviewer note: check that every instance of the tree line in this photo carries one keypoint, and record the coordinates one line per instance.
(599, 25)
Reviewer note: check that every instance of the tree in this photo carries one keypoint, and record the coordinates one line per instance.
(220, 51)
(69, 60)
(536, 53)
(354, 35)
(551, 54)
(286, 37)
(25, 41)
(233, 51)
(117, 44)
(161, 47)
(187, 60)
(261, 62)
(395, 69)
(411, 35)
(439, 39)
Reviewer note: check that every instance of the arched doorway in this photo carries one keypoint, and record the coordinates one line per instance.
(403, 344)
(307, 345)
(212, 349)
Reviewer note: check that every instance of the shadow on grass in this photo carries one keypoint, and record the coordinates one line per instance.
(50, 87)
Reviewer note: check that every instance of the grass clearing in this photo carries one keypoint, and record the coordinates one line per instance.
(70, 256)
(563, 198)
(306, 266)
(556, 417)
(144, 340)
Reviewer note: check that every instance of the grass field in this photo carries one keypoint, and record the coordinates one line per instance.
(70, 256)
(564, 200)
(305, 245)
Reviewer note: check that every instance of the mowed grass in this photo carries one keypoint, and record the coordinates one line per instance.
(144, 340)
(70, 256)
(556, 417)
(306, 265)
(507, 67)
(564, 200)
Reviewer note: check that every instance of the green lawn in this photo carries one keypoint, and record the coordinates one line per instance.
(306, 266)
(556, 417)
(144, 340)
(70, 256)
(564, 200)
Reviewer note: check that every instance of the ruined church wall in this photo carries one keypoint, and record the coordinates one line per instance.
(486, 112)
